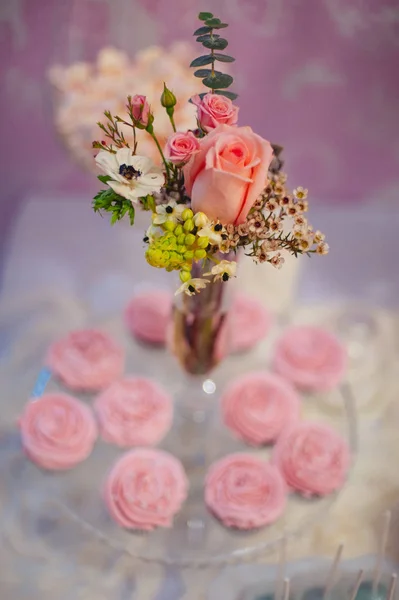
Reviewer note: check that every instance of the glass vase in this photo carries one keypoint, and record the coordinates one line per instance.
(199, 334)
(199, 338)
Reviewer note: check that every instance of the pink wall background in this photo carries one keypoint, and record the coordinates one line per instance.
(320, 77)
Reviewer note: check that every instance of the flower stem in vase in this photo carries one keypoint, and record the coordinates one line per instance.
(199, 339)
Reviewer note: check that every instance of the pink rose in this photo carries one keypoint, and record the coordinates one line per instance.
(134, 411)
(148, 314)
(86, 360)
(145, 489)
(214, 110)
(180, 147)
(57, 431)
(313, 459)
(140, 109)
(245, 491)
(228, 173)
(312, 358)
(258, 406)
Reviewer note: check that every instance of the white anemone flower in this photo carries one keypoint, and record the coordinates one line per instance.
(131, 176)
(192, 286)
(224, 270)
(168, 212)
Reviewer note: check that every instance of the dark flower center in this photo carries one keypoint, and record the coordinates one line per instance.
(258, 224)
(129, 172)
(225, 276)
(169, 209)
(146, 239)
(191, 288)
(218, 227)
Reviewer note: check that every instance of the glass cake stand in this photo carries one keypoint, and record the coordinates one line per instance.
(50, 511)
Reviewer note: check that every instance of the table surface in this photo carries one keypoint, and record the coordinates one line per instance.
(57, 272)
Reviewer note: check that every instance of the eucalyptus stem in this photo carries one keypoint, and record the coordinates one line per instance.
(213, 61)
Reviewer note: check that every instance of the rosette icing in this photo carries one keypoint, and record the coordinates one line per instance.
(257, 406)
(57, 431)
(313, 459)
(147, 316)
(133, 411)
(250, 323)
(311, 358)
(86, 360)
(244, 491)
(145, 489)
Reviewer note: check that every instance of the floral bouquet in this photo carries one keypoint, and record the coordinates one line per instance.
(220, 189)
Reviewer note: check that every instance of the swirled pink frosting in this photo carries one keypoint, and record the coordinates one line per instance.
(250, 323)
(245, 492)
(86, 360)
(134, 411)
(258, 406)
(147, 316)
(145, 489)
(311, 358)
(313, 459)
(57, 431)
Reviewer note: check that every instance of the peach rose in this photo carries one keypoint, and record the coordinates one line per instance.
(228, 173)
(180, 147)
(214, 110)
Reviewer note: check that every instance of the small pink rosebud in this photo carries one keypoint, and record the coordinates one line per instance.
(140, 110)
(214, 110)
(180, 147)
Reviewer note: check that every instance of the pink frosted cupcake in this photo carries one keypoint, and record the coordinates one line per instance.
(250, 323)
(256, 407)
(311, 358)
(86, 360)
(134, 411)
(145, 489)
(245, 492)
(313, 459)
(57, 431)
(147, 316)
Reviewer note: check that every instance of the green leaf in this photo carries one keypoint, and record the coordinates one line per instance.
(218, 44)
(203, 16)
(205, 73)
(215, 23)
(223, 57)
(202, 30)
(104, 178)
(212, 21)
(220, 81)
(131, 213)
(202, 60)
(203, 38)
(230, 95)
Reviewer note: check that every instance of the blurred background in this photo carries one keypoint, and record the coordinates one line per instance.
(318, 78)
